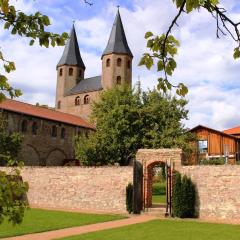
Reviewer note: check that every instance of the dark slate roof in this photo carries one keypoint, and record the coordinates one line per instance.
(87, 85)
(117, 42)
(71, 54)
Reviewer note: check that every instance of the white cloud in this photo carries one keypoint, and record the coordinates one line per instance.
(205, 63)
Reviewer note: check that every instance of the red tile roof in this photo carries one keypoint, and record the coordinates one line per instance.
(235, 130)
(45, 113)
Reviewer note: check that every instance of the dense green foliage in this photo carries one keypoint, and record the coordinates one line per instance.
(213, 161)
(166, 230)
(127, 120)
(39, 220)
(163, 48)
(129, 198)
(12, 188)
(10, 144)
(184, 197)
(31, 26)
(159, 188)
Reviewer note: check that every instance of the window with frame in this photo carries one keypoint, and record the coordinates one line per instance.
(60, 72)
(59, 105)
(119, 62)
(70, 71)
(202, 146)
(86, 99)
(54, 131)
(24, 126)
(108, 62)
(118, 80)
(128, 64)
(34, 128)
(77, 101)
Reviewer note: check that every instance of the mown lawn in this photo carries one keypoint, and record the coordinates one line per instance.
(159, 199)
(39, 220)
(167, 230)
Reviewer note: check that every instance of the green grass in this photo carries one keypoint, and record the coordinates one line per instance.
(39, 220)
(166, 230)
(159, 199)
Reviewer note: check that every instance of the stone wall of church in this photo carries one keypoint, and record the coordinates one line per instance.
(82, 188)
(43, 149)
(83, 110)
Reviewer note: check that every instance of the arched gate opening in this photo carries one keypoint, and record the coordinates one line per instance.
(145, 167)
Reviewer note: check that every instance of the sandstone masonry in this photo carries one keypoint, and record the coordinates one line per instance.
(83, 188)
(218, 191)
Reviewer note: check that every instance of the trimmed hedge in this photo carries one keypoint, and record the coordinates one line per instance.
(184, 197)
(129, 198)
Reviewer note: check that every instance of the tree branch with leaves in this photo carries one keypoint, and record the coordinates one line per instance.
(32, 26)
(163, 48)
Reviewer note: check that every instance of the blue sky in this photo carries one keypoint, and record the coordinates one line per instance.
(205, 64)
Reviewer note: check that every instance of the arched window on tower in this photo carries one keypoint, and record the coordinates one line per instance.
(70, 71)
(119, 62)
(24, 126)
(54, 131)
(128, 64)
(60, 72)
(59, 104)
(34, 128)
(86, 99)
(108, 62)
(77, 101)
(118, 80)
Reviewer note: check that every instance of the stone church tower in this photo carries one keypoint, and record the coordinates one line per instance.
(70, 68)
(117, 58)
(74, 92)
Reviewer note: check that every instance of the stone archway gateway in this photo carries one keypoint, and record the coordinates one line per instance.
(146, 159)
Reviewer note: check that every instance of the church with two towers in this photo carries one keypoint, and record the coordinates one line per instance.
(74, 92)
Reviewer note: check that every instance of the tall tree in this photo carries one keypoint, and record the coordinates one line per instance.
(127, 120)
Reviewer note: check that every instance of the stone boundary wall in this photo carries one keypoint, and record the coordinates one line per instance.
(81, 188)
(218, 189)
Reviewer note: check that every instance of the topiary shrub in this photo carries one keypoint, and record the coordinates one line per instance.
(184, 197)
(177, 195)
(129, 198)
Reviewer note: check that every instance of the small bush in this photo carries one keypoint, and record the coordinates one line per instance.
(129, 198)
(213, 161)
(184, 197)
(159, 189)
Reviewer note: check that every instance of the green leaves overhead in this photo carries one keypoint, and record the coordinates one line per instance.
(236, 53)
(32, 26)
(163, 48)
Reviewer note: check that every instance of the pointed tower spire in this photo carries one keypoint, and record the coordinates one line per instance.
(117, 42)
(71, 55)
